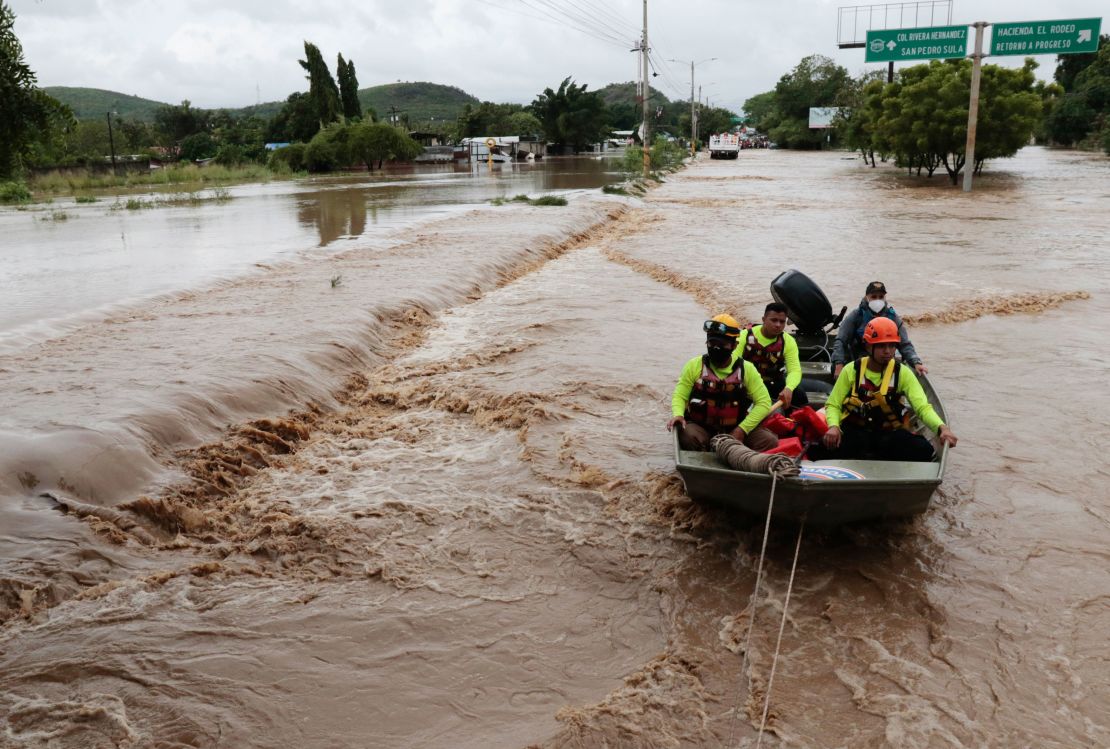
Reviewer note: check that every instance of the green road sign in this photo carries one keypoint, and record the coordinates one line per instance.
(925, 43)
(1046, 37)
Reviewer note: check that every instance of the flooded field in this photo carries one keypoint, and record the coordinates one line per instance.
(434, 505)
(66, 263)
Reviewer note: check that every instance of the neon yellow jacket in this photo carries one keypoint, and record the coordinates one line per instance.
(753, 384)
(908, 387)
(789, 355)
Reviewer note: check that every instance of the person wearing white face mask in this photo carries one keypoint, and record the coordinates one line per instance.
(849, 337)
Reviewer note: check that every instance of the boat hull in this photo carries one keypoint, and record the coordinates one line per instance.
(829, 492)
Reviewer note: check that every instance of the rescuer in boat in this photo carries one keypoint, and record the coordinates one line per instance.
(867, 412)
(774, 352)
(849, 344)
(716, 390)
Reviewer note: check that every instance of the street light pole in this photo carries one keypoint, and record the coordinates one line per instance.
(693, 109)
(647, 94)
(112, 143)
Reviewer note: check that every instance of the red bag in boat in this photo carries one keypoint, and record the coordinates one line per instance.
(791, 446)
(811, 426)
(779, 424)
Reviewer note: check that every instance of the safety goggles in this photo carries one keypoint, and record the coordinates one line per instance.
(719, 328)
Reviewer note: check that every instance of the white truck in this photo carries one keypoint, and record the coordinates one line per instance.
(724, 146)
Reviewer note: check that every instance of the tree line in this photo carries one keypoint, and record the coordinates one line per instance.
(326, 124)
(920, 119)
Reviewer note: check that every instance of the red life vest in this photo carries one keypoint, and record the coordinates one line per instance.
(719, 404)
(767, 359)
(877, 407)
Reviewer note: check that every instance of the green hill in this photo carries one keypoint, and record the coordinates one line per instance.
(420, 101)
(625, 93)
(92, 103)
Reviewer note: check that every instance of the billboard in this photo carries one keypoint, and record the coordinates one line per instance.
(822, 117)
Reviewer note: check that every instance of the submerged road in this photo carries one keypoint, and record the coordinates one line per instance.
(435, 506)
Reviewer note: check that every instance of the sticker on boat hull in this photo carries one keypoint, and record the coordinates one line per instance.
(830, 473)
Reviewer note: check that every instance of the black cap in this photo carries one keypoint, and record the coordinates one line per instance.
(875, 287)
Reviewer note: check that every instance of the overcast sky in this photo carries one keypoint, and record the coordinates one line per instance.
(231, 53)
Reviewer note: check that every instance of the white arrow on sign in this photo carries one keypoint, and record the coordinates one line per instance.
(891, 45)
(1084, 36)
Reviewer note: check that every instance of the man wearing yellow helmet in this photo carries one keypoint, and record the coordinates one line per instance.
(719, 394)
(867, 412)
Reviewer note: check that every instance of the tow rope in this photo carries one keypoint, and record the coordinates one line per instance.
(740, 457)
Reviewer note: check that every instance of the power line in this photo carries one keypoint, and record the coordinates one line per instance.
(674, 87)
(592, 13)
(548, 8)
(629, 27)
(547, 17)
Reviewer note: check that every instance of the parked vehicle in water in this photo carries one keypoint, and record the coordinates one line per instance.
(724, 146)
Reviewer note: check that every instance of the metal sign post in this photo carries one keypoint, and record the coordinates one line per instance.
(973, 105)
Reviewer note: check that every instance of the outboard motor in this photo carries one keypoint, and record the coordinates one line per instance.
(809, 309)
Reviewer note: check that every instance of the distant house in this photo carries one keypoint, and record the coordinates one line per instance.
(505, 148)
(619, 138)
(425, 139)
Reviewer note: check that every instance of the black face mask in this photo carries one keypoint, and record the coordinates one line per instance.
(719, 356)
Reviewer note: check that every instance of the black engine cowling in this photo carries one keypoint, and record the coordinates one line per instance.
(806, 305)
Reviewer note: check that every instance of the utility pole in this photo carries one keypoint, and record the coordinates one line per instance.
(647, 95)
(393, 114)
(973, 105)
(693, 109)
(693, 117)
(112, 143)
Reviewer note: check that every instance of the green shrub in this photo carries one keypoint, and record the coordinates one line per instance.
(549, 200)
(85, 199)
(198, 146)
(230, 154)
(14, 192)
(290, 158)
(614, 190)
(320, 156)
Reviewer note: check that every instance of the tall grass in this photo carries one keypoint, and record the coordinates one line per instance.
(219, 195)
(171, 176)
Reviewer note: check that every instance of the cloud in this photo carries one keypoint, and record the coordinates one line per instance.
(219, 54)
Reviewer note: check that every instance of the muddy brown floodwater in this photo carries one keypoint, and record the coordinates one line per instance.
(434, 506)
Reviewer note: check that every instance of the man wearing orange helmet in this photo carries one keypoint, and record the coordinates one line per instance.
(715, 392)
(867, 412)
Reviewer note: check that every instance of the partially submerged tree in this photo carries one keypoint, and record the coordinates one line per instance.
(571, 116)
(377, 141)
(921, 118)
